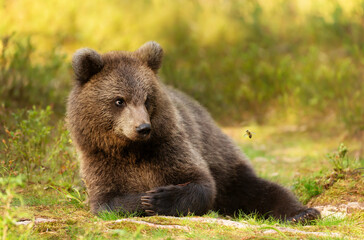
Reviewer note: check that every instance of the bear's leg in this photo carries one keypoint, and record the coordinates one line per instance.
(254, 194)
(175, 200)
(280, 203)
(126, 204)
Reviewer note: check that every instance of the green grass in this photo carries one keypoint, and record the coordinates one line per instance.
(108, 216)
(63, 199)
(75, 223)
(307, 188)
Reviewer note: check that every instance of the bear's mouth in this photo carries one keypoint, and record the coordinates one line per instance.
(142, 137)
(134, 137)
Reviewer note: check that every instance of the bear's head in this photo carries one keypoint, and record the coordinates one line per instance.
(116, 95)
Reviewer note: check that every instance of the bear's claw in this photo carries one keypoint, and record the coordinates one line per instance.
(161, 200)
(147, 204)
(306, 216)
(149, 212)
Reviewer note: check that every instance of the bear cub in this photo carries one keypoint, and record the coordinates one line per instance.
(147, 147)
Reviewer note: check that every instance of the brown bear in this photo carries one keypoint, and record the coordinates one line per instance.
(147, 147)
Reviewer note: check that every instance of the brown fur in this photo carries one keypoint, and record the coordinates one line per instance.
(185, 164)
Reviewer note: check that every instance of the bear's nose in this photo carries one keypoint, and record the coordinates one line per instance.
(143, 129)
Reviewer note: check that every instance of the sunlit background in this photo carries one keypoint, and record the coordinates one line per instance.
(262, 61)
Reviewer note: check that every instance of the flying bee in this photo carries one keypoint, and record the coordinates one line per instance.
(248, 133)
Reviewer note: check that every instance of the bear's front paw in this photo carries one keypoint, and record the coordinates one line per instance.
(162, 200)
(306, 216)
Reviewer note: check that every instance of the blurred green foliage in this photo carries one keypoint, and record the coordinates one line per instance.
(7, 195)
(26, 82)
(26, 145)
(32, 146)
(292, 61)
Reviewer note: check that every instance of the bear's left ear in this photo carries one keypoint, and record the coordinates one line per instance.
(151, 53)
(86, 63)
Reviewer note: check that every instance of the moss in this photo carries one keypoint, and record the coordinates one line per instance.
(346, 186)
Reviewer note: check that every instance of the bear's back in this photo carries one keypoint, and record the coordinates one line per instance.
(217, 149)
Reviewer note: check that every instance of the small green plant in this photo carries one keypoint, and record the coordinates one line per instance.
(34, 147)
(339, 159)
(307, 188)
(74, 195)
(25, 149)
(212, 214)
(62, 157)
(255, 218)
(343, 166)
(108, 216)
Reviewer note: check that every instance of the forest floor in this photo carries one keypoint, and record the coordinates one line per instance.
(292, 156)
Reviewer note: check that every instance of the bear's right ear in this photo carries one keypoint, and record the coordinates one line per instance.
(151, 53)
(86, 63)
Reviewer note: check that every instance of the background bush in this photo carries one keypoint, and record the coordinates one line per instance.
(244, 60)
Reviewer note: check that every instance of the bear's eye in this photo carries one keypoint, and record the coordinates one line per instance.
(120, 102)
